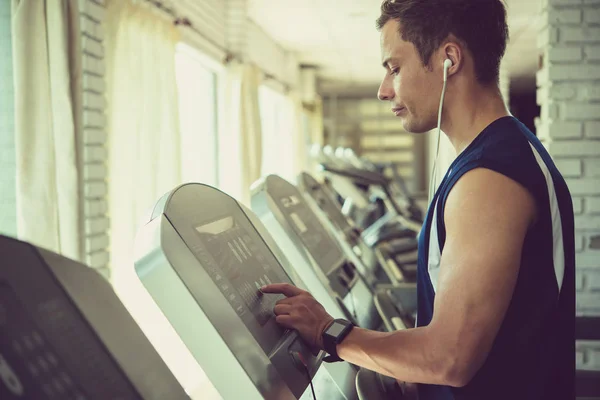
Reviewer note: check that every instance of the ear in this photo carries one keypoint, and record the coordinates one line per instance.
(453, 51)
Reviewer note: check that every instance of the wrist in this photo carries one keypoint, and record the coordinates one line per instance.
(324, 325)
(347, 343)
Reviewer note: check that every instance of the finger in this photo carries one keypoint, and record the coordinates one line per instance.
(282, 309)
(286, 300)
(285, 320)
(282, 288)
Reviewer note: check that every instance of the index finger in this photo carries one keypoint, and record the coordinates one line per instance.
(282, 288)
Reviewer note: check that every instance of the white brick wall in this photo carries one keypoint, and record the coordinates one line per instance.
(569, 94)
(8, 210)
(95, 206)
(588, 354)
(592, 167)
(593, 205)
(95, 226)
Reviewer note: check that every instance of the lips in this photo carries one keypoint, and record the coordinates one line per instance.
(398, 110)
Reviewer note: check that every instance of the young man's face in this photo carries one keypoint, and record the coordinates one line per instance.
(412, 90)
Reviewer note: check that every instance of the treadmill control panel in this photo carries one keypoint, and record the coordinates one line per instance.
(325, 202)
(48, 350)
(26, 356)
(316, 239)
(305, 223)
(233, 254)
(238, 267)
(211, 249)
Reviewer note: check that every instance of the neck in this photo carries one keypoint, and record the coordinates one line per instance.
(469, 112)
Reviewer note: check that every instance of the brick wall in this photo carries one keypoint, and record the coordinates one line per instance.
(94, 154)
(8, 208)
(569, 125)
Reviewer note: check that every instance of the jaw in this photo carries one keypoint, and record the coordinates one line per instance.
(413, 125)
(418, 125)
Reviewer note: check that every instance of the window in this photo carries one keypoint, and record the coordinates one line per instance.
(8, 174)
(196, 157)
(278, 130)
(197, 88)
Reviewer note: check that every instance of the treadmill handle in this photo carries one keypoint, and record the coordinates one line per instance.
(388, 312)
(404, 296)
(346, 312)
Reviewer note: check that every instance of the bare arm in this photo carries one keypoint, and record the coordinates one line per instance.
(487, 217)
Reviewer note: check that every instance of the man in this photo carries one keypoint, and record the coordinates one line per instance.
(496, 291)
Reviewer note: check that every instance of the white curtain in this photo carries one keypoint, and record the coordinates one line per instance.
(250, 129)
(300, 139)
(45, 49)
(230, 171)
(144, 159)
(143, 119)
(240, 137)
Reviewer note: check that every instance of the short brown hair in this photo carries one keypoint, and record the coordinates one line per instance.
(479, 24)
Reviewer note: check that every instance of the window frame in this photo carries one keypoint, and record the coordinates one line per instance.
(213, 66)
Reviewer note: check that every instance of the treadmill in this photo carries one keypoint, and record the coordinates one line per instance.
(374, 179)
(396, 183)
(65, 335)
(391, 233)
(294, 224)
(203, 256)
(386, 265)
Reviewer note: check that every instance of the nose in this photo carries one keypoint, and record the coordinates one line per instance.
(386, 90)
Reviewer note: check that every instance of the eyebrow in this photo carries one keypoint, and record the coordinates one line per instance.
(386, 61)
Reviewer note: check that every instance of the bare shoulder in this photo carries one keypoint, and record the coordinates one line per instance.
(487, 216)
(483, 195)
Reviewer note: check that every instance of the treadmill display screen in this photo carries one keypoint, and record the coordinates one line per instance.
(29, 366)
(240, 268)
(326, 201)
(312, 233)
(332, 211)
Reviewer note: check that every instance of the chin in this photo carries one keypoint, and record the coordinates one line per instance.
(412, 126)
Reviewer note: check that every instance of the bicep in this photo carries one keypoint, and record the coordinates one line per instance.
(487, 216)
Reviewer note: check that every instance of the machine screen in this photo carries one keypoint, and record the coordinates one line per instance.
(243, 268)
(314, 236)
(233, 257)
(325, 202)
(331, 210)
(29, 367)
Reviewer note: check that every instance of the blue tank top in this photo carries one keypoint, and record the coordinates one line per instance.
(533, 355)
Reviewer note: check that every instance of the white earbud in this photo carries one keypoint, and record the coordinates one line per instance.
(447, 65)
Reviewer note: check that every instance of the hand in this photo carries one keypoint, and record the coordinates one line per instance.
(300, 311)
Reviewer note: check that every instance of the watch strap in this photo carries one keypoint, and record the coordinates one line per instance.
(330, 342)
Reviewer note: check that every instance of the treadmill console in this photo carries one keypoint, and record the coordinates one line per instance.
(302, 219)
(56, 343)
(203, 261)
(316, 190)
(239, 268)
(279, 198)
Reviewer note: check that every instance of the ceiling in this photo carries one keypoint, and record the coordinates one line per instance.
(340, 38)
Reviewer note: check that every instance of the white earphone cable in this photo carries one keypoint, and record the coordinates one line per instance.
(432, 181)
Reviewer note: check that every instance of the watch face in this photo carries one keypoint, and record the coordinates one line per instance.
(335, 329)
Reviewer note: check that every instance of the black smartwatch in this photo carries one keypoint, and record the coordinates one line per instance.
(333, 335)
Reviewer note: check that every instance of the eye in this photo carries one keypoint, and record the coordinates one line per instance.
(394, 71)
